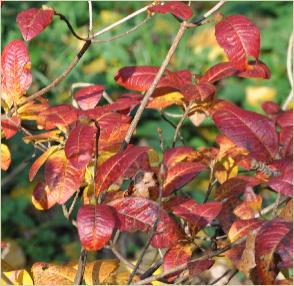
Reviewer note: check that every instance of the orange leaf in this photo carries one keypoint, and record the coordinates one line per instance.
(5, 157)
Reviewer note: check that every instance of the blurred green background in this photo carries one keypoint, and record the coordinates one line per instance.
(47, 236)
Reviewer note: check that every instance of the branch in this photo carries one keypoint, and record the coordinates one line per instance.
(173, 125)
(152, 233)
(81, 267)
(151, 89)
(219, 278)
(61, 77)
(90, 18)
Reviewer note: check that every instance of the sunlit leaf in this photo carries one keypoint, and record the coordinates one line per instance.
(40, 161)
(33, 21)
(10, 126)
(16, 71)
(175, 155)
(240, 38)
(252, 131)
(89, 97)
(5, 157)
(95, 226)
(136, 213)
(17, 277)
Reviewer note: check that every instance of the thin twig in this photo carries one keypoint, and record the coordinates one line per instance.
(174, 126)
(151, 89)
(61, 77)
(130, 16)
(151, 235)
(107, 97)
(276, 205)
(151, 270)
(123, 33)
(63, 18)
(180, 123)
(81, 267)
(289, 72)
(90, 18)
(231, 276)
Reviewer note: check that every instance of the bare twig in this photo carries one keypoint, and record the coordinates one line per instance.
(231, 276)
(130, 16)
(290, 72)
(81, 267)
(61, 77)
(180, 123)
(123, 33)
(173, 125)
(90, 18)
(151, 234)
(151, 270)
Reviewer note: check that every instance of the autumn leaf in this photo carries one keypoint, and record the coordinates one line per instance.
(79, 145)
(33, 21)
(95, 226)
(10, 126)
(16, 71)
(135, 213)
(89, 97)
(43, 198)
(5, 157)
(250, 130)
(239, 38)
(16, 277)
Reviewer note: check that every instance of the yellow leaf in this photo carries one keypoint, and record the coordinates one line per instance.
(225, 169)
(163, 101)
(255, 95)
(5, 157)
(89, 195)
(16, 277)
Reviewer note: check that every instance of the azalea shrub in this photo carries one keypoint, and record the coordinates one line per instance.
(90, 164)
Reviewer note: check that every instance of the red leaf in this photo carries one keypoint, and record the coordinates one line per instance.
(178, 9)
(89, 97)
(95, 226)
(60, 116)
(241, 228)
(285, 250)
(62, 178)
(10, 126)
(284, 183)
(240, 38)
(180, 174)
(33, 21)
(135, 213)
(256, 69)
(218, 72)
(40, 161)
(195, 268)
(79, 145)
(198, 215)
(285, 121)
(270, 107)
(115, 167)
(16, 71)
(178, 154)
(267, 240)
(175, 256)
(202, 91)
(250, 130)
(178, 78)
(43, 198)
(136, 78)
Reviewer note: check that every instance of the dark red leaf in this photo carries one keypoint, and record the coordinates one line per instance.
(117, 166)
(180, 174)
(266, 243)
(285, 121)
(16, 71)
(135, 213)
(33, 21)
(62, 178)
(197, 215)
(178, 78)
(219, 71)
(43, 198)
(175, 256)
(10, 126)
(89, 97)
(95, 226)
(256, 69)
(200, 92)
(80, 144)
(252, 131)
(240, 38)
(270, 107)
(284, 183)
(285, 250)
(197, 267)
(178, 9)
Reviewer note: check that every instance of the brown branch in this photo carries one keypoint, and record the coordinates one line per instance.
(231, 276)
(221, 277)
(61, 77)
(151, 89)
(151, 234)
(81, 268)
